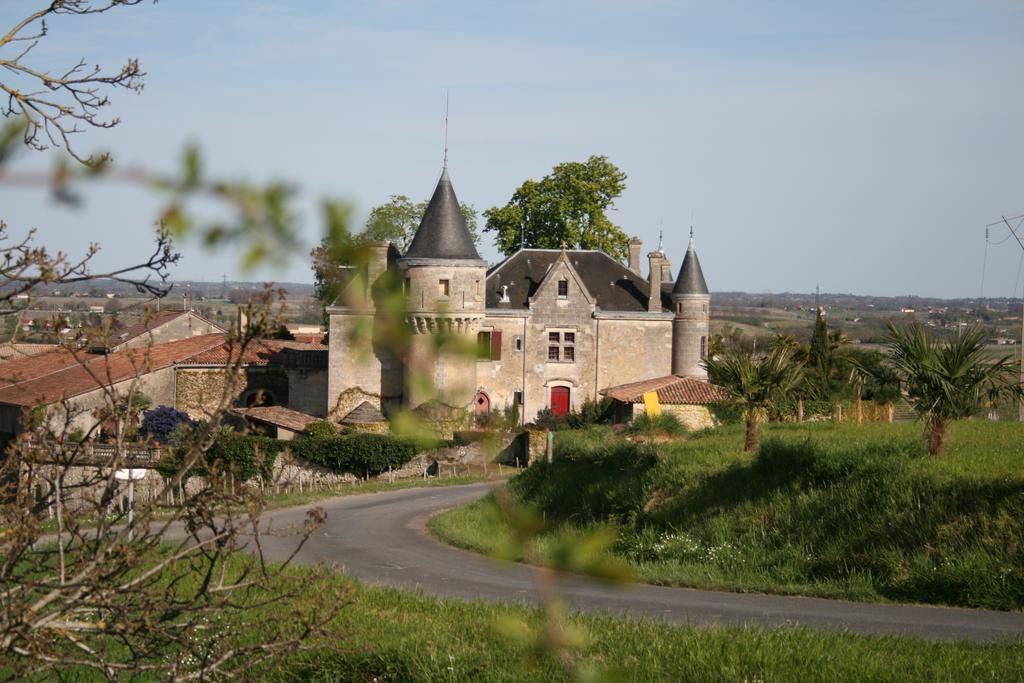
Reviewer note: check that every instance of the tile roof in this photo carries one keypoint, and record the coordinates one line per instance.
(17, 350)
(615, 286)
(257, 352)
(278, 416)
(62, 374)
(671, 390)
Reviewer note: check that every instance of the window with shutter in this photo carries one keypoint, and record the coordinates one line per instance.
(496, 345)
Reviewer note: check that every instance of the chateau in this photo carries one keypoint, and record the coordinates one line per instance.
(551, 328)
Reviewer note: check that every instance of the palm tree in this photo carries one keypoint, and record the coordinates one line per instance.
(756, 382)
(947, 381)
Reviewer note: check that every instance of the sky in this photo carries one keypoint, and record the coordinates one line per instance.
(860, 146)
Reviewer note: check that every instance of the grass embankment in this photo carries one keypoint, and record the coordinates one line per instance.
(837, 511)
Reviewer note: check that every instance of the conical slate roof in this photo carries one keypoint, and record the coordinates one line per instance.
(691, 278)
(364, 413)
(443, 233)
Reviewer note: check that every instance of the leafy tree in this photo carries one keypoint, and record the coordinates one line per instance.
(756, 382)
(569, 205)
(949, 380)
(395, 221)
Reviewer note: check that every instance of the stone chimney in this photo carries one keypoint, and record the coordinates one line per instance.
(634, 254)
(377, 261)
(655, 259)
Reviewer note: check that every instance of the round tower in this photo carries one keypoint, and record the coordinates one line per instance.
(444, 285)
(690, 303)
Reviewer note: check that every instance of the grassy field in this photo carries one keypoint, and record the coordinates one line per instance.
(836, 511)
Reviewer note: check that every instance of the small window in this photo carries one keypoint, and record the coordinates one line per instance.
(679, 308)
(569, 354)
(703, 347)
(705, 308)
(443, 288)
(519, 343)
(488, 345)
(517, 398)
(563, 289)
(554, 337)
(569, 337)
(483, 345)
(552, 353)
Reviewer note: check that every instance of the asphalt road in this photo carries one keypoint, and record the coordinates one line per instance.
(381, 539)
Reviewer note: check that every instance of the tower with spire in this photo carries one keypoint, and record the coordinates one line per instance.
(690, 303)
(444, 279)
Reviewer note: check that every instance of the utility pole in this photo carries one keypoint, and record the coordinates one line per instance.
(1013, 231)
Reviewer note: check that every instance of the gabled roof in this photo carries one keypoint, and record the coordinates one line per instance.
(257, 352)
(614, 286)
(150, 323)
(691, 277)
(443, 233)
(671, 390)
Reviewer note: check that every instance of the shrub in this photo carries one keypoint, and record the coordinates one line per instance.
(727, 413)
(359, 454)
(595, 476)
(159, 422)
(590, 413)
(666, 423)
(321, 429)
(243, 455)
(547, 419)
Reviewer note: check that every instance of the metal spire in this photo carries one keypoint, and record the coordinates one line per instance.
(445, 129)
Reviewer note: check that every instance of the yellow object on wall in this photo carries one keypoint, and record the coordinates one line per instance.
(651, 403)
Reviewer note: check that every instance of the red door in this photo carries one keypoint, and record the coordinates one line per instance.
(483, 403)
(560, 400)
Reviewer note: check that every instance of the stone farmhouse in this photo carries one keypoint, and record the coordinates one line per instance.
(552, 327)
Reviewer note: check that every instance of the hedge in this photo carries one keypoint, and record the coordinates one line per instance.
(359, 454)
(245, 456)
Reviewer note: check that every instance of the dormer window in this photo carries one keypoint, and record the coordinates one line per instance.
(563, 289)
(443, 288)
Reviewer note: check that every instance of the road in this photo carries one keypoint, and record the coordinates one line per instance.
(381, 539)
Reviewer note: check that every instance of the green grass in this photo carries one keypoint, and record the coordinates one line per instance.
(834, 511)
(385, 635)
(396, 636)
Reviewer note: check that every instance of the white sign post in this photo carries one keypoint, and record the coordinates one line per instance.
(130, 475)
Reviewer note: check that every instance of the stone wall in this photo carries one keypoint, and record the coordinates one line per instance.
(199, 391)
(693, 417)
